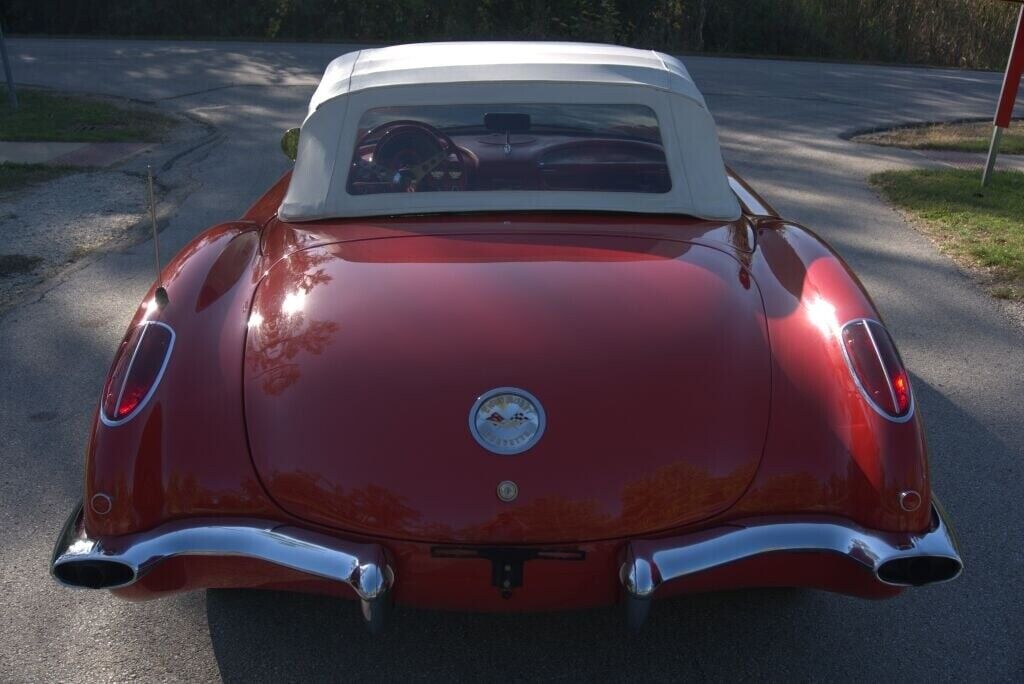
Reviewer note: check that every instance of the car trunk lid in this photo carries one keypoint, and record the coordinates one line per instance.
(649, 358)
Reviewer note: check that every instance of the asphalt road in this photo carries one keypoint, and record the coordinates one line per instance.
(780, 123)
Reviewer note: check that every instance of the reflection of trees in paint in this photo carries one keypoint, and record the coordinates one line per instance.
(371, 506)
(284, 331)
(675, 492)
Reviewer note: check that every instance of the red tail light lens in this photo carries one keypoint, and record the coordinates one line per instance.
(137, 370)
(877, 367)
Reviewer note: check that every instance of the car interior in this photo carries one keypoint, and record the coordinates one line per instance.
(601, 148)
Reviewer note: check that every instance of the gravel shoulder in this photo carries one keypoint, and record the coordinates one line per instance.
(58, 222)
(53, 224)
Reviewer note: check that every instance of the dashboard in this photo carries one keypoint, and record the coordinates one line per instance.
(409, 156)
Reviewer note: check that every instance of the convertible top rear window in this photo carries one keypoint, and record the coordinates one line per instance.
(527, 147)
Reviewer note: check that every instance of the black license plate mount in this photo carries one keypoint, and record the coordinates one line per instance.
(507, 561)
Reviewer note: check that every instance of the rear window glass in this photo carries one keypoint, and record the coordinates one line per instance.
(533, 147)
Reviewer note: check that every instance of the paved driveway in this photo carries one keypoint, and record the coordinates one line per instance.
(780, 124)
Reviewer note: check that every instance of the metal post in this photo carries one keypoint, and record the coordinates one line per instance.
(12, 97)
(993, 152)
(160, 297)
(152, 218)
(1007, 97)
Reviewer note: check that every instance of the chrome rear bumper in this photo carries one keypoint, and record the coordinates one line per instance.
(893, 558)
(888, 558)
(79, 561)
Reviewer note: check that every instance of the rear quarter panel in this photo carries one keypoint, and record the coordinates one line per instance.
(827, 450)
(185, 453)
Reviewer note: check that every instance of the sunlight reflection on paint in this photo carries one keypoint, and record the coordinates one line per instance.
(150, 306)
(293, 303)
(823, 316)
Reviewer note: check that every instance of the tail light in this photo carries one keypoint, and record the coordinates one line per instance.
(877, 368)
(137, 370)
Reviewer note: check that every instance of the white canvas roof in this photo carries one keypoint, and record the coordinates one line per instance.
(506, 72)
(486, 62)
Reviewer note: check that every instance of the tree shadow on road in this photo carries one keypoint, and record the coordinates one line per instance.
(290, 637)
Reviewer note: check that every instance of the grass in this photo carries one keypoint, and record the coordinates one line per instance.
(980, 228)
(16, 176)
(960, 137)
(60, 117)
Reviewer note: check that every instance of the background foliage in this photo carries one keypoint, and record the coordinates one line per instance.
(969, 33)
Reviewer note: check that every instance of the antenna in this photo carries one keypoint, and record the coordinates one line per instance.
(160, 296)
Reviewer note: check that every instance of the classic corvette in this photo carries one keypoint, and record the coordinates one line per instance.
(509, 336)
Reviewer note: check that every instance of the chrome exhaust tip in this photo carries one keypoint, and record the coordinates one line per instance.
(931, 559)
(94, 574)
(917, 571)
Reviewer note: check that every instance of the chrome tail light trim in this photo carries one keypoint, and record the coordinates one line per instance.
(114, 422)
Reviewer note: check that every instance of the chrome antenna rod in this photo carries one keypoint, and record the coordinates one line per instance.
(160, 296)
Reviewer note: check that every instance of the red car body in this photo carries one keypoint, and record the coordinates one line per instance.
(692, 372)
(656, 403)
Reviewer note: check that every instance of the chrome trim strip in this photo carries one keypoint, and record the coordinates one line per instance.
(128, 368)
(856, 380)
(364, 567)
(749, 202)
(881, 364)
(649, 563)
(156, 383)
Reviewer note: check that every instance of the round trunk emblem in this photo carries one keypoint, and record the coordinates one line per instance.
(507, 420)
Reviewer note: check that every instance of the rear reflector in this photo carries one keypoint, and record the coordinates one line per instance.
(877, 368)
(136, 372)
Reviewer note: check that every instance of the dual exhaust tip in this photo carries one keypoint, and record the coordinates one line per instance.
(94, 574)
(917, 571)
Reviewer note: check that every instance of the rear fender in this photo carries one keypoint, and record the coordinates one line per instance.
(827, 450)
(185, 453)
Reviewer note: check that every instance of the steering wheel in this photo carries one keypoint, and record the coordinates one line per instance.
(409, 156)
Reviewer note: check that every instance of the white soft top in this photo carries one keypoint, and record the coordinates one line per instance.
(515, 73)
(490, 62)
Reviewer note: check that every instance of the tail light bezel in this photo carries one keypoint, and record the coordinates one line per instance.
(868, 322)
(114, 422)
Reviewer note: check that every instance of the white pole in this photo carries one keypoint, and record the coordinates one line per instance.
(993, 152)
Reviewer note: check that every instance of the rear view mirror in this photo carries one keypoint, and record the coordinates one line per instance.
(502, 122)
(290, 143)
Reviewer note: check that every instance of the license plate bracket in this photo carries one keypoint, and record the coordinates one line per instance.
(507, 561)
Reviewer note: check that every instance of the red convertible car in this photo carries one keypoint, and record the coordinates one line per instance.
(508, 337)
